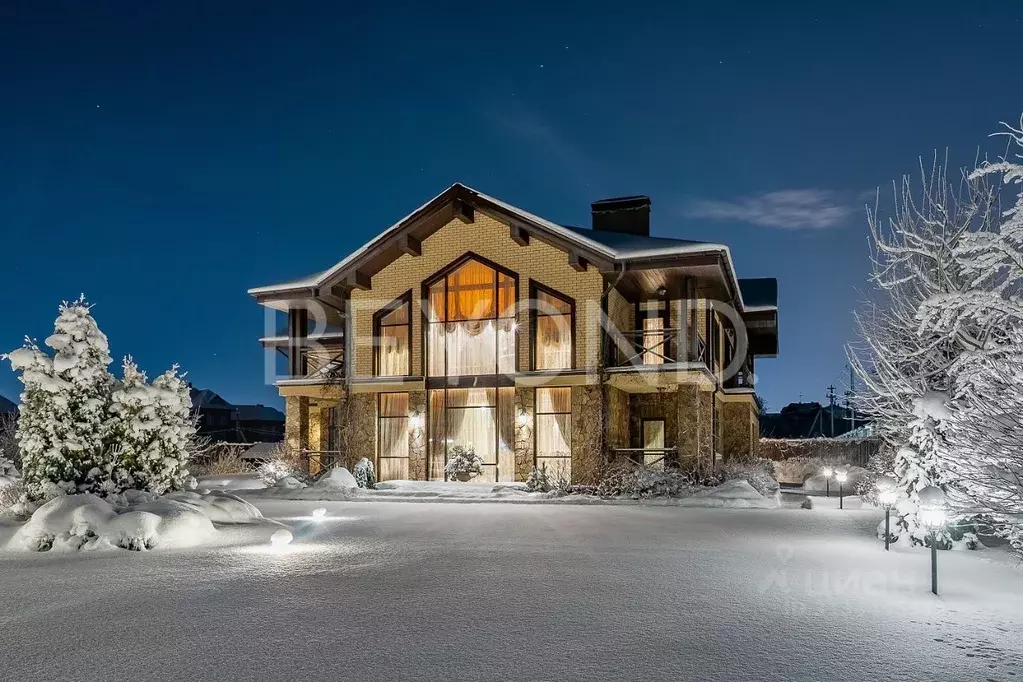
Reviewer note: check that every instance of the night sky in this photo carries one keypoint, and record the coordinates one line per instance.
(164, 157)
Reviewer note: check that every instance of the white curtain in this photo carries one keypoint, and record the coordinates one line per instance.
(654, 339)
(392, 358)
(554, 342)
(554, 430)
(471, 347)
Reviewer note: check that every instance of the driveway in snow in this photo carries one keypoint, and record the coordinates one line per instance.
(389, 591)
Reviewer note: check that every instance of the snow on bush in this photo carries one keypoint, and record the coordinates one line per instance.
(463, 462)
(82, 431)
(337, 478)
(759, 473)
(732, 494)
(365, 474)
(136, 521)
(283, 462)
(538, 481)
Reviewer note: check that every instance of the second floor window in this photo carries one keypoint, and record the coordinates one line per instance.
(553, 328)
(471, 322)
(392, 331)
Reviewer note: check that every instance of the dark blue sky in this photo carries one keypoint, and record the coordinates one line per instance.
(164, 157)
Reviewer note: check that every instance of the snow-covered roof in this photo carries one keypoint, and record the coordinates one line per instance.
(259, 413)
(615, 247)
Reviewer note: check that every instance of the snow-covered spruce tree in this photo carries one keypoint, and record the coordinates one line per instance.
(904, 365)
(150, 430)
(63, 406)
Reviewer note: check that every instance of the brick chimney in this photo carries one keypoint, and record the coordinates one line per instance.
(625, 215)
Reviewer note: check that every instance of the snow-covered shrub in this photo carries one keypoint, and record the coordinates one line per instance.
(463, 462)
(150, 428)
(282, 462)
(881, 463)
(365, 474)
(220, 461)
(538, 481)
(11, 493)
(759, 473)
(9, 439)
(638, 481)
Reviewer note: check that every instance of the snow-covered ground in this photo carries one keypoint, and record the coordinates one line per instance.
(493, 591)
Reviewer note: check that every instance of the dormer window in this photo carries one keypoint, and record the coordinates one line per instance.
(392, 331)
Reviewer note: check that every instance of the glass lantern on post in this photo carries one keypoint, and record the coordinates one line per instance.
(887, 495)
(932, 515)
(841, 475)
(827, 472)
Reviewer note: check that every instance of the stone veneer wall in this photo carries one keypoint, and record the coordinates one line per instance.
(738, 437)
(661, 404)
(364, 422)
(618, 418)
(585, 434)
(417, 436)
(296, 423)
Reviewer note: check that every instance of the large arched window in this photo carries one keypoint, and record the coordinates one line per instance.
(470, 320)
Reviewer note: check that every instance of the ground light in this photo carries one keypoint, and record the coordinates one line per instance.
(319, 514)
(827, 471)
(281, 538)
(887, 494)
(932, 517)
(841, 476)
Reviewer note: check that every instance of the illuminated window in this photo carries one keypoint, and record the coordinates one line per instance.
(553, 326)
(392, 331)
(553, 431)
(392, 436)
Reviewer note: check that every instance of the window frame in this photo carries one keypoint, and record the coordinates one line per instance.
(536, 430)
(467, 380)
(534, 289)
(664, 314)
(381, 417)
(403, 300)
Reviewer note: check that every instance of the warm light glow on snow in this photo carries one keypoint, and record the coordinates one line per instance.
(281, 538)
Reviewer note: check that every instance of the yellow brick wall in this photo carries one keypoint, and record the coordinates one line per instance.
(490, 239)
(621, 312)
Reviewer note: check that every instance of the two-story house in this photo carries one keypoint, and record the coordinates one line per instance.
(473, 322)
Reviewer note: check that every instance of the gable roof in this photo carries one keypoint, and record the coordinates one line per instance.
(261, 413)
(605, 250)
(204, 397)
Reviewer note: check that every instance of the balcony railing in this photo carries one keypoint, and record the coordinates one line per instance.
(742, 379)
(652, 347)
(651, 457)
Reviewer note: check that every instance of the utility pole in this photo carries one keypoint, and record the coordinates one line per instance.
(831, 406)
(849, 398)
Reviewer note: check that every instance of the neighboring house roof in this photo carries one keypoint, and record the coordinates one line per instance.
(7, 406)
(205, 398)
(259, 413)
(606, 249)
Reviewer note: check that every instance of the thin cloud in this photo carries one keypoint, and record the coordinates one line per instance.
(791, 209)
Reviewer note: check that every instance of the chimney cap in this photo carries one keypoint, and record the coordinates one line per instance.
(621, 203)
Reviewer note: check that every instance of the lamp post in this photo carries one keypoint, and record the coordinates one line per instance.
(887, 494)
(932, 516)
(827, 471)
(841, 475)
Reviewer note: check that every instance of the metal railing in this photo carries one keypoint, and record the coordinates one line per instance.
(641, 347)
(742, 379)
(660, 456)
(319, 461)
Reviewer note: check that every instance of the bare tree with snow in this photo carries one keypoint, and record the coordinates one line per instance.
(905, 366)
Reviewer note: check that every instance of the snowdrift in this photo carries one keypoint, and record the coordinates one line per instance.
(87, 522)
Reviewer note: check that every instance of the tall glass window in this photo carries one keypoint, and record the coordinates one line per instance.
(553, 431)
(392, 436)
(553, 329)
(471, 322)
(392, 331)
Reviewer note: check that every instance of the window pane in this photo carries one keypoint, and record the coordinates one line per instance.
(506, 296)
(506, 346)
(553, 400)
(551, 305)
(397, 316)
(506, 434)
(471, 292)
(474, 427)
(553, 342)
(435, 305)
(435, 349)
(472, 397)
(553, 435)
(394, 437)
(394, 404)
(438, 437)
(392, 351)
(654, 341)
(653, 439)
(471, 347)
